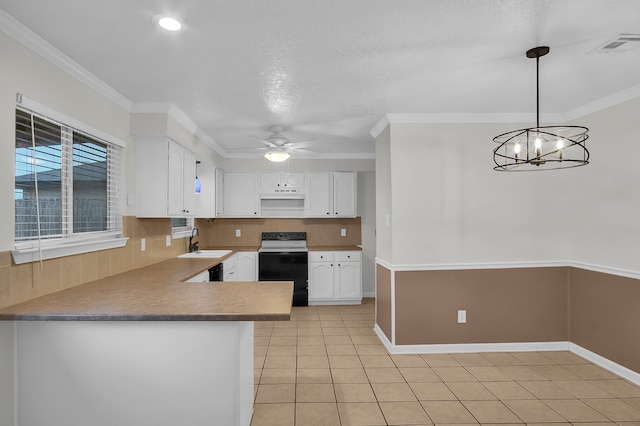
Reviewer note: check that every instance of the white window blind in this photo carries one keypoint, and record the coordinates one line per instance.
(66, 184)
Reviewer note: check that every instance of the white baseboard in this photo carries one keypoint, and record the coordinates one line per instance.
(601, 361)
(605, 363)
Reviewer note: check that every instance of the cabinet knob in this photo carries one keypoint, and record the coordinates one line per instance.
(327, 212)
(349, 256)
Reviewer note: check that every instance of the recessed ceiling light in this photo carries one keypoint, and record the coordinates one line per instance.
(168, 23)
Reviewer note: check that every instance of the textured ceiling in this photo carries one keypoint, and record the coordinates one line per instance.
(330, 69)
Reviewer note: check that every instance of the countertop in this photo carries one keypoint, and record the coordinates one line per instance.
(157, 293)
(334, 248)
(310, 248)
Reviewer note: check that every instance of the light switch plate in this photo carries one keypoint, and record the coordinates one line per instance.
(462, 317)
(238, 233)
(343, 232)
(167, 240)
(143, 244)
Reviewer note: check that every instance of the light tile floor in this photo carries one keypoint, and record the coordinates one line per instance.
(327, 367)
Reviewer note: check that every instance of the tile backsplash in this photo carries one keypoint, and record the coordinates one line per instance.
(19, 283)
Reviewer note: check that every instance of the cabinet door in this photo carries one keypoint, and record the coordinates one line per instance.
(269, 181)
(247, 266)
(317, 201)
(320, 280)
(202, 277)
(219, 192)
(241, 194)
(345, 197)
(229, 268)
(292, 179)
(206, 199)
(189, 184)
(348, 280)
(175, 186)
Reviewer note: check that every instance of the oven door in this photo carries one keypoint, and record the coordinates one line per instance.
(286, 266)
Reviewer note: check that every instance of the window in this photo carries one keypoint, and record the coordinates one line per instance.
(181, 227)
(66, 188)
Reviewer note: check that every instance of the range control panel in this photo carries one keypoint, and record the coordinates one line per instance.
(284, 236)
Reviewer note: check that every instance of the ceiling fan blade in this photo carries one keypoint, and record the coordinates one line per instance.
(304, 144)
(264, 141)
(305, 152)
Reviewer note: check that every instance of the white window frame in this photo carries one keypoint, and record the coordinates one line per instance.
(183, 231)
(41, 249)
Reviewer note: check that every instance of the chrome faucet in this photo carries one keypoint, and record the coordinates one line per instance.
(193, 246)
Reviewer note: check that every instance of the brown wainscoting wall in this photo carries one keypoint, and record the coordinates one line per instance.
(503, 305)
(595, 310)
(320, 232)
(383, 300)
(604, 314)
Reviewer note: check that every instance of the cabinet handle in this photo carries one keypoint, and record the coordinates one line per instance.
(348, 256)
(327, 212)
(321, 257)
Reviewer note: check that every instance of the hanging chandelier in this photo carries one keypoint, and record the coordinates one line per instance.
(541, 148)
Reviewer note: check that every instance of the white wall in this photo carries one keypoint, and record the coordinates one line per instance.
(450, 206)
(23, 71)
(384, 206)
(367, 213)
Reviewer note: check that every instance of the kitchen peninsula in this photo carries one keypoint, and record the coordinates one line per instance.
(141, 347)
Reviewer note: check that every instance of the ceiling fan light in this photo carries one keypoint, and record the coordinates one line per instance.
(277, 156)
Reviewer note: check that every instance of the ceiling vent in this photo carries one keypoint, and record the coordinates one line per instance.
(620, 44)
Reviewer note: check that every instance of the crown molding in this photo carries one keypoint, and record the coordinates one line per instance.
(28, 38)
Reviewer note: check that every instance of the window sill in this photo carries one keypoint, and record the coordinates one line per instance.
(68, 248)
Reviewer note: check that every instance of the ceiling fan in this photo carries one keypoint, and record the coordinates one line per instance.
(279, 148)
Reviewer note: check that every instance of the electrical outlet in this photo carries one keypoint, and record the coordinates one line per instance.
(343, 232)
(143, 244)
(238, 233)
(167, 240)
(462, 317)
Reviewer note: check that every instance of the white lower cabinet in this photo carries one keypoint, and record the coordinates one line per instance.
(335, 277)
(202, 277)
(229, 267)
(242, 266)
(247, 267)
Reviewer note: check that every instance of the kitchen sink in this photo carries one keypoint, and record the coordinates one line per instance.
(205, 254)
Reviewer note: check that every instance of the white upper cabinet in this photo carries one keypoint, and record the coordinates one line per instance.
(165, 179)
(240, 195)
(207, 198)
(318, 199)
(273, 182)
(345, 196)
(331, 194)
(219, 193)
